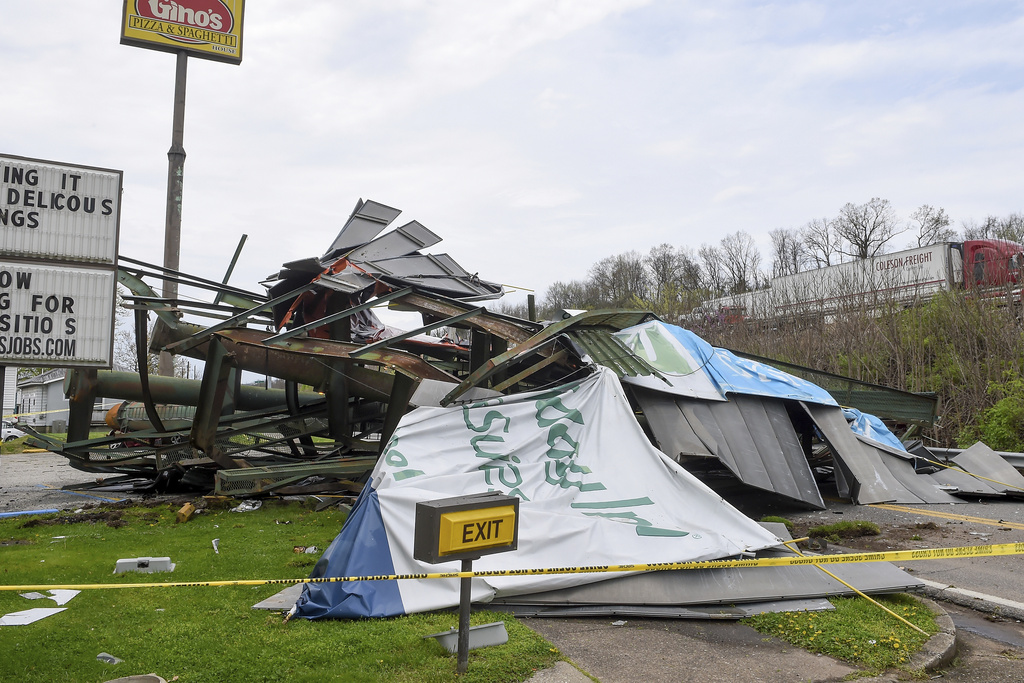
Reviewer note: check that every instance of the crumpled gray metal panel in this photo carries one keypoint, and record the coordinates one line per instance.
(867, 477)
(751, 435)
(401, 241)
(726, 586)
(966, 484)
(981, 460)
(672, 431)
(716, 612)
(901, 465)
(417, 265)
(367, 221)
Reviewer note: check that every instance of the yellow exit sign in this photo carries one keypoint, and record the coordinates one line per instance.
(466, 527)
(476, 529)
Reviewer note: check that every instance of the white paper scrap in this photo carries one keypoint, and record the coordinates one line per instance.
(29, 616)
(62, 596)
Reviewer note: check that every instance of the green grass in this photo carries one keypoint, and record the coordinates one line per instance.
(857, 631)
(211, 633)
(779, 520)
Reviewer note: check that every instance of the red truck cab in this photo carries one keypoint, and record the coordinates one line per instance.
(992, 263)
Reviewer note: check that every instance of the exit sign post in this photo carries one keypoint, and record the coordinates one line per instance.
(465, 528)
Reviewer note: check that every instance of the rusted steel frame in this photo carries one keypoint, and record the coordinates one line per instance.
(234, 321)
(398, 405)
(385, 343)
(192, 280)
(216, 376)
(231, 267)
(291, 391)
(596, 318)
(80, 406)
(222, 311)
(557, 357)
(142, 359)
(136, 286)
(503, 326)
(407, 363)
(327, 319)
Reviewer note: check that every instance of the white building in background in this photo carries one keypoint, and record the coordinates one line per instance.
(41, 402)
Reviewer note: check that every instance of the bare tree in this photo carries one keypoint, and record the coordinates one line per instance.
(1009, 228)
(789, 255)
(931, 225)
(572, 294)
(618, 280)
(664, 266)
(866, 228)
(712, 269)
(821, 242)
(742, 261)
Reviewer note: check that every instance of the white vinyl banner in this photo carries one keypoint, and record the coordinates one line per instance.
(593, 490)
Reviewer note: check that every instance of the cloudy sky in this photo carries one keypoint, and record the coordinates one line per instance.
(535, 136)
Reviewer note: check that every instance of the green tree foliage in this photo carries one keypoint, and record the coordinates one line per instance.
(1000, 427)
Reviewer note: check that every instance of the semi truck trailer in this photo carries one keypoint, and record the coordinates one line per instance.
(904, 278)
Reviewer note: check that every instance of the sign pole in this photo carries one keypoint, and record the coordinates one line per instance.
(175, 173)
(465, 598)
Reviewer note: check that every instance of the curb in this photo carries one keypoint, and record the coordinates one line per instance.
(940, 650)
(977, 601)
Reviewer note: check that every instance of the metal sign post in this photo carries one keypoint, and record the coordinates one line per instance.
(175, 178)
(465, 528)
(208, 29)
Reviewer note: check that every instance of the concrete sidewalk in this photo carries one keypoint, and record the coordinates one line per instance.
(645, 650)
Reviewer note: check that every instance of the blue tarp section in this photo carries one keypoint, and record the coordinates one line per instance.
(361, 549)
(871, 427)
(732, 374)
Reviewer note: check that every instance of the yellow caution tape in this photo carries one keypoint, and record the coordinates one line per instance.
(961, 552)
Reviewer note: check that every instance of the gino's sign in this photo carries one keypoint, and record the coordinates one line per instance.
(211, 29)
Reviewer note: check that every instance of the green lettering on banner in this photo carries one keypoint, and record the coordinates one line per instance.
(480, 453)
(489, 419)
(556, 403)
(606, 504)
(394, 458)
(561, 469)
(643, 527)
(560, 433)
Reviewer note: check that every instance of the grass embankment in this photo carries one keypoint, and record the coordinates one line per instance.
(212, 633)
(857, 631)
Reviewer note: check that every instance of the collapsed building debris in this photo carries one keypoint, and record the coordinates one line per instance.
(348, 379)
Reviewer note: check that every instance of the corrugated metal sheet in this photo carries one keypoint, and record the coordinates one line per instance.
(868, 474)
(607, 350)
(752, 436)
(367, 221)
(401, 241)
(697, 588)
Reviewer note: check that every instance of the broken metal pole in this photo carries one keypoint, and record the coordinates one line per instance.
(216, 378)
(80, 383)
(81, 404)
